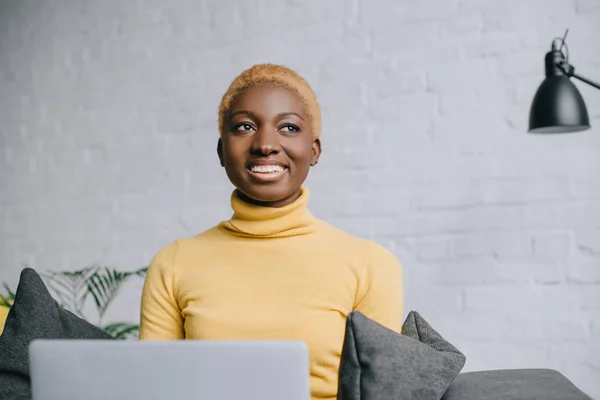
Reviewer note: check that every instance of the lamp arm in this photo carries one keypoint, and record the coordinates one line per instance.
(569, 70)
(581, 78)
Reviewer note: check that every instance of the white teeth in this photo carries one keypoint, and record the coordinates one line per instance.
(266, 168)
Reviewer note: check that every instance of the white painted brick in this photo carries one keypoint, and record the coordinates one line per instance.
(424, 297)
(492, 45)
(542, 300)
(354, 70)
(584, 188)
(495, 93)
(471, 325)
(408, 134)
(363, 159)
(583, 34)
(587, 6)
(559, 216)
(447, 195)
(584, 271)
(399, 81)
(524, 14)
(499, 245)
(452, 221)
(470, 22)
(551, 245)
(355, 45)
(109, 130)
(589, 297)
(523, 191)
(369, 13)
(430, 10)
(568, 353)
(595, 328)
(348, 96)
(588, 59)
(504, 355)
(406, 106)
(527, 64)
(334, 206)
(337, 137)
(441, 163)
(481, 162)
(478, 134)
(551, 331)
(354, 225)
(394, 202)
(434, 249)
(424, 56)
(478, 272)
(393, 39)
(585, 298)
(304, 12)
(455, 76)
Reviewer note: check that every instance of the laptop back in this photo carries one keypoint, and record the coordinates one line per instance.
(160, 370)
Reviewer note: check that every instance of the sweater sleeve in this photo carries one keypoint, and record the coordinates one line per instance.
(160, 315)
(380, 294)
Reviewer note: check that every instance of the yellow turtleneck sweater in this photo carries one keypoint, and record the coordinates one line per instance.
(272, 273)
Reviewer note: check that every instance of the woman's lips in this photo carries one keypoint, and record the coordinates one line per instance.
(267, 172)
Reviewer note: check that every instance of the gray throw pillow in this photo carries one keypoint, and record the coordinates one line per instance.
(380, 364)
(34, 315)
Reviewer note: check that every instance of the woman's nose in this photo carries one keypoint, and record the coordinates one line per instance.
(266, 141)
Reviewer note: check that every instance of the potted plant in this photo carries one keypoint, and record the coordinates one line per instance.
(73, 289)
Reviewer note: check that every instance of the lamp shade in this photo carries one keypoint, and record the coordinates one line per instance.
(557, 106)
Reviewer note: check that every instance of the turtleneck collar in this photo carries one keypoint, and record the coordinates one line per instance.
(251, 220)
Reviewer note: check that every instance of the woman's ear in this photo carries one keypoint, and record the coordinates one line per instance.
(316, 152)
(220, 151)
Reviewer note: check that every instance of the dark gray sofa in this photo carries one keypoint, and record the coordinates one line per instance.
(517, 384)
(377, 364)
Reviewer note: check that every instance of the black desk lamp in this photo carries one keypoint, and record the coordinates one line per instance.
(558, 106)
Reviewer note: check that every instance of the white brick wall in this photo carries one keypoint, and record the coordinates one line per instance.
(108, 134)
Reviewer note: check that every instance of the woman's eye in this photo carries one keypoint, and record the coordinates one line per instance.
(243, 127)
(290, 128)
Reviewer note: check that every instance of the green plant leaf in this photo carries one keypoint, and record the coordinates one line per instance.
(8, 299)
(104, 284)
(141, 272)
(71, 287)
(122, 330)
(11, 295)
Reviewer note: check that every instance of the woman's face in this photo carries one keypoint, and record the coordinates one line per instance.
(267, 146)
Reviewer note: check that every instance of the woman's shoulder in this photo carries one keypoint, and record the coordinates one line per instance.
(370, 247)
(206, 238)
(349, 240)
(329, 230)
(195, 243)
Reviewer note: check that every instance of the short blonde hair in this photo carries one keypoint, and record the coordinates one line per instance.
(266, 74)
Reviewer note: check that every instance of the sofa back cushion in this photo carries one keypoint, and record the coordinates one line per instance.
(34, 315)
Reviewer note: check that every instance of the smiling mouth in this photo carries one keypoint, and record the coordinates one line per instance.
(267, 169)
(267, 173)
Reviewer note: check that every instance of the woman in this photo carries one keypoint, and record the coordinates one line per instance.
(273, 271)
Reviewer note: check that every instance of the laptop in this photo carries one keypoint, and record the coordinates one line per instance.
(164, 370)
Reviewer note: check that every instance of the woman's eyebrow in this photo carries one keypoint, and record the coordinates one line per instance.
(242, 112)
(287, 114)
(252, 115)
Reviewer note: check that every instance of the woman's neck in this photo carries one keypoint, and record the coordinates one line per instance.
(258, 221)
(273, 204)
